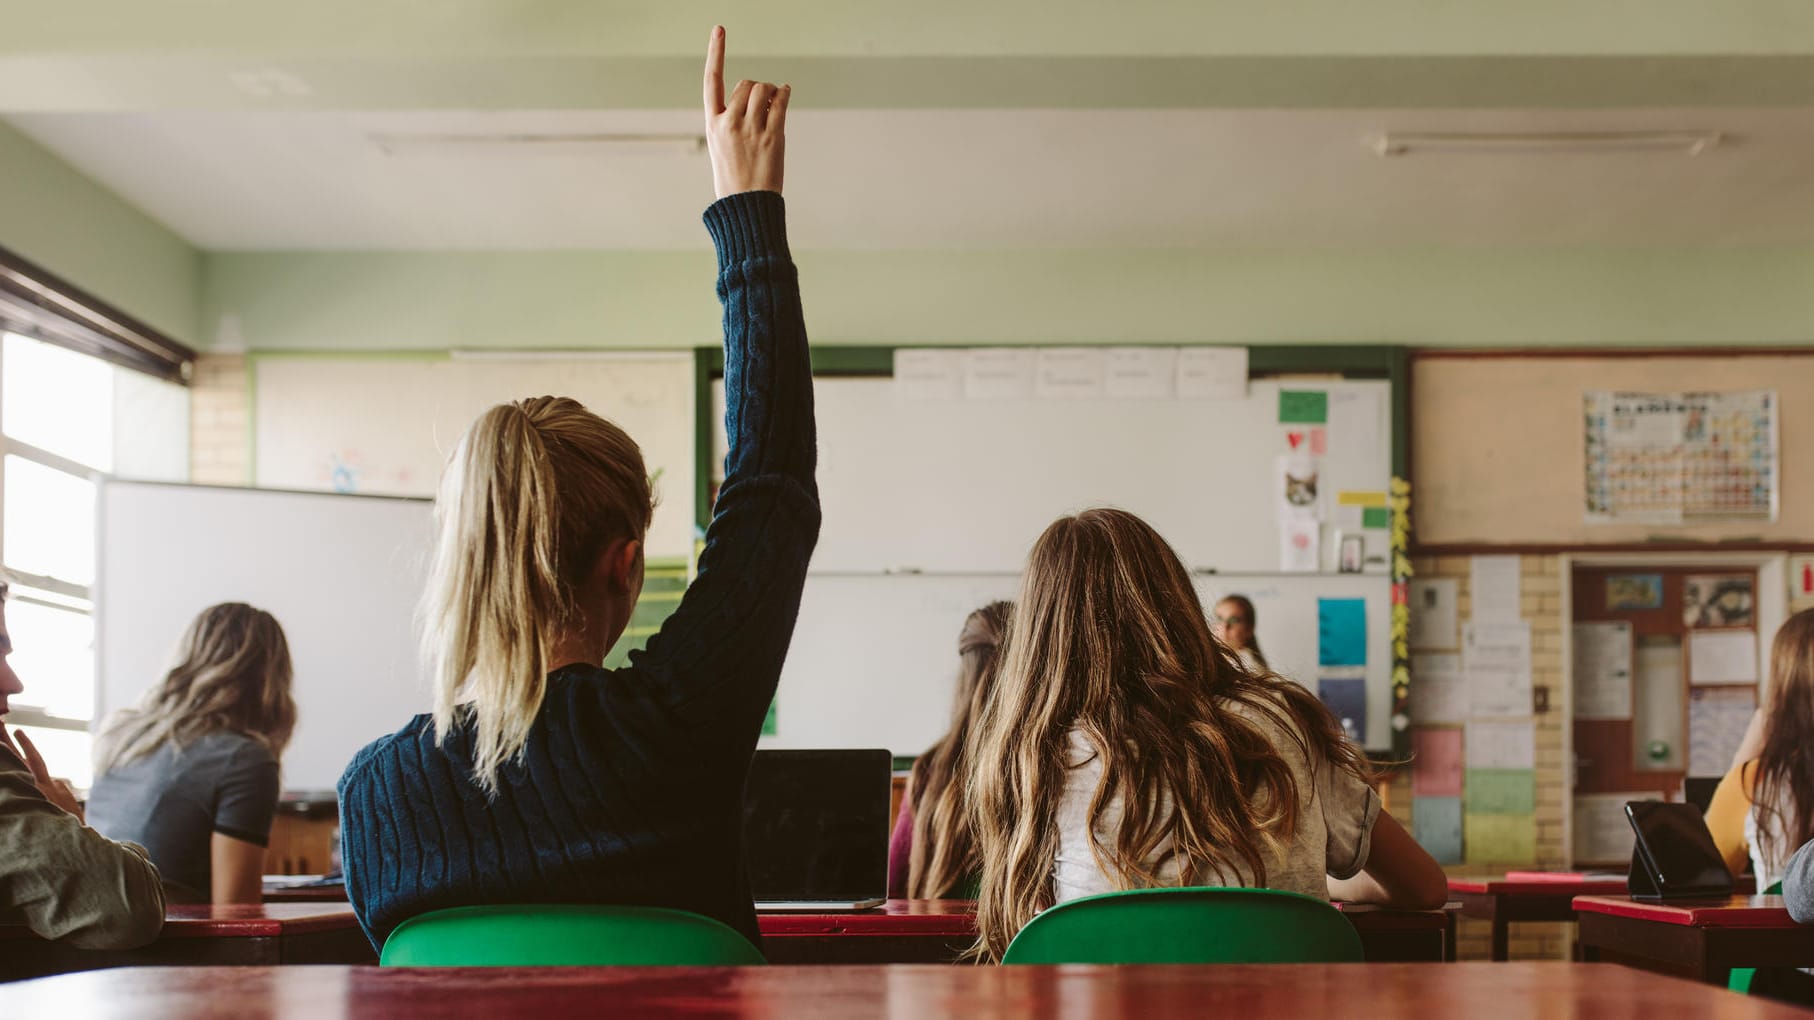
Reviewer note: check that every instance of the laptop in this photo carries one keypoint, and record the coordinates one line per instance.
(815, 829)
(1674, 856)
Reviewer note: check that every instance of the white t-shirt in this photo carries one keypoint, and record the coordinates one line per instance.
(1334, 828)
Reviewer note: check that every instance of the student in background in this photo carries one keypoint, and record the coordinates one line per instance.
(1124, 748)
(1233, 625)
(1764, 808)
(191, 773)
(540, 776)
(58, 877)
(932, 855)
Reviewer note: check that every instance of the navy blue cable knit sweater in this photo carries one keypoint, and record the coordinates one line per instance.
(630, 788)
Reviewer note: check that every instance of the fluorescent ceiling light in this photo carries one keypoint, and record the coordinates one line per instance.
(1402, 143)
(612, 143)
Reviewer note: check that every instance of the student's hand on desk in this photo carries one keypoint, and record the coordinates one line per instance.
(747, 135)
(54, 790)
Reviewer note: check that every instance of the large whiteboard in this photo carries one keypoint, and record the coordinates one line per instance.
(342, 574)
(385, 425)
(873, 661)
(967, 485)
(959, 489)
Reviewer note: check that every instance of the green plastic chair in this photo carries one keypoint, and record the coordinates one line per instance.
(1741, 977)
(1190, 925)
(565, 935)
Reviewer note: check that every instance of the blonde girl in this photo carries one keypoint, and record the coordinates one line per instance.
(541, 776)
(191, 774)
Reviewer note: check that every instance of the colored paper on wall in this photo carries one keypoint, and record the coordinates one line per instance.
(1303, 407)
(1319, 442)
(1501, 839)
(1501, 745)
(1351, 497)
(1376, 517)
(1347, 701)
(1341, 632)
(1435, 762)
(768, 721)
(1436, 825)
(1501, 791)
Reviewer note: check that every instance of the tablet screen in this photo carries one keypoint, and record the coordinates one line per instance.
(1678, 841)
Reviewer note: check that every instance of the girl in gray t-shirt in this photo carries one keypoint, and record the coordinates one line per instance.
(191, 774)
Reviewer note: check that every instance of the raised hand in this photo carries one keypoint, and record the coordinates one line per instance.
(746, 136)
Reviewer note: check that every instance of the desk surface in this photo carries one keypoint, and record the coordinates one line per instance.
(1538, 887)
(1725, 912)
(1507, 990)
(243, 920)
(958, 918)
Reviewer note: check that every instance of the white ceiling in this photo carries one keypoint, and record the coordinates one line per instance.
(952, 179)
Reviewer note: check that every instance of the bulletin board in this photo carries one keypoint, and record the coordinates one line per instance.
(1499, 450)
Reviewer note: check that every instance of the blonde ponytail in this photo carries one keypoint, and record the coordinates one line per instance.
(534, 493)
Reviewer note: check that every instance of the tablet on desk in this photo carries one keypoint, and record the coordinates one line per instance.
(1674, 857)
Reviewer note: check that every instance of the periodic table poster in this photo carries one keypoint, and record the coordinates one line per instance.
(1681, 458)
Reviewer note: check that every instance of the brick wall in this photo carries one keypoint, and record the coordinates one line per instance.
(1541, 591)
(220, 421)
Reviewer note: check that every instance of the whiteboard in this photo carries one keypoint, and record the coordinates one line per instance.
(342, 574)
(385, 425)
(874, 661)
(967, 485)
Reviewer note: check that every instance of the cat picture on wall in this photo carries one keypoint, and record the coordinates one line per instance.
(1297, 487)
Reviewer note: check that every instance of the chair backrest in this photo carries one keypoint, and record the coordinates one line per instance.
(1192, 925)
(564, 935)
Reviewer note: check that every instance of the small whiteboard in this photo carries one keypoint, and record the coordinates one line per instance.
(386, 425)
(342, 574)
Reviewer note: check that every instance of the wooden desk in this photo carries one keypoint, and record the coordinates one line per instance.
(1505, 991)
(275, 893)
(938, 931)
(246, 935)
(1705, 937)
(1501, 902)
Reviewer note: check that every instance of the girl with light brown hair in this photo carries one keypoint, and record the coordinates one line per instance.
(540, 776)
(1763, 809)
(932, 855)
(1125, 748)
(191, 774)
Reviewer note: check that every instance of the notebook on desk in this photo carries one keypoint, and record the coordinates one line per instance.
(815, 829)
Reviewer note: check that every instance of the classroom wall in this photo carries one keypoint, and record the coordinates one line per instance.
(220, 408)
(1427, 297)
(55, 217)
(1498, 446)
(1541, 594)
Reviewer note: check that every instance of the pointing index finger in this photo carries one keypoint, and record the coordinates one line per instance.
(714, 72)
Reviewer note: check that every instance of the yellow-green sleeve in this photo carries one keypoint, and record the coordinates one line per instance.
(1726, 816)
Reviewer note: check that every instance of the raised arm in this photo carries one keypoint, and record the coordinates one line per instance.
(723, 647)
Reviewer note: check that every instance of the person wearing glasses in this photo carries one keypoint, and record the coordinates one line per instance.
(1232, 623)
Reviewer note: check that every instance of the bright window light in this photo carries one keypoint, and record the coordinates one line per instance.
(57, 400)
(49, 522)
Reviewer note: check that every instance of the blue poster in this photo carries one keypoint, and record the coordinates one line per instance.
(1341, 632)
(1347, 701)
(1436, 825)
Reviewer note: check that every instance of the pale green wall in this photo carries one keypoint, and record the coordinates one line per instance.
(53, 216)
(1438, 297)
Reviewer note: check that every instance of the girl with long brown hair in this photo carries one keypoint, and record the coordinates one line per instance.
(541, 776)
(932, 855)
(191, 774)
(1764, 808)
(1125, 748)
(1233, 623)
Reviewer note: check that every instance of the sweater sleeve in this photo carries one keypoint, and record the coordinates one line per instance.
(723, 647)
(1726, 818)
(1798, 885)
(900, 849)
(66, 881)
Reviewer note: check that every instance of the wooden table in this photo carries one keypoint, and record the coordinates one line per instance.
(938, 931)
(1502, 901)
(276, 893)
(244, 935)
(1504, 991)
(1707, 938)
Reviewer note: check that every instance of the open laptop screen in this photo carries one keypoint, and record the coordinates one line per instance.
(815, 825)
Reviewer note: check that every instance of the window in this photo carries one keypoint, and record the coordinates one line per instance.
(66, 421)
